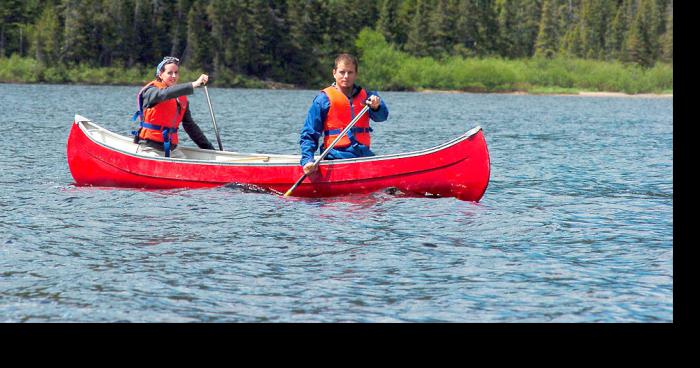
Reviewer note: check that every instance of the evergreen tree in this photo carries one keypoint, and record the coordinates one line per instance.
(77, 46)
(163, 27)
(119, 34)
(222, 14)
(440, 27)
(419, 34)
(466, 32)
(667, 37)
(595, 15)
(179, 30)
(11, 19)
(487, 28)
(547, 37)
(252, 41)
(641, 44)
(662, 7)
(346, 19)
(507, 28)
(404, 16)
(518, 27)
(617, 29)
(300, 62)
(198, 53)
(142, 34)
(47, 37)
(388, 23)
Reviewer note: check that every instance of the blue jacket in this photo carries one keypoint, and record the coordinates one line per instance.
(313, 128)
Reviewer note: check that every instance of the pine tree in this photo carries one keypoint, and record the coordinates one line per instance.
(179, 31)
(662, 7)
(163, 26)
(507, 28)
(595, 15)
(487, 28)
(222, 14)
(78, 26)
(252, 41)
(547, 37)
(518, 27)
(199, 41)
(419, 34)
(617, 29)
(119, 37)
(388, 22)
(10, 20)
(641, 44)
(404, 16)
(440, 27)
(347, 18)
(667, 38)
(143, 29)
(466, 31)
(301, 61)
(47, 40)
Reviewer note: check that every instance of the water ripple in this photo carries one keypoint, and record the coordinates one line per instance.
(576, 225)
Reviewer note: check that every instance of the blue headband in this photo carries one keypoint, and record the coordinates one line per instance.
(166, 60)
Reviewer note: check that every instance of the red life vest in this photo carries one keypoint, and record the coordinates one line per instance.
(341, 114)
(166, 114)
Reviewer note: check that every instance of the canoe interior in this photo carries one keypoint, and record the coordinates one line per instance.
(127, 145)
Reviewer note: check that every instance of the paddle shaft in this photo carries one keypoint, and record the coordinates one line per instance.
(325, 153)
(213, 119)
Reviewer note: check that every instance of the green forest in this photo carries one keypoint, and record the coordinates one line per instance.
(469, 45)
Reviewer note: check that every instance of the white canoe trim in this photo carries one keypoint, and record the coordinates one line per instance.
(126, 145)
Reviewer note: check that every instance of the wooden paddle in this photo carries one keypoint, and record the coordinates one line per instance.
(325, 153)
(213, 120)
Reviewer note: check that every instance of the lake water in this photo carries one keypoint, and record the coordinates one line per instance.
(575, 226)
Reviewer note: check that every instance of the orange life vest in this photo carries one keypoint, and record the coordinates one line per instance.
(341, 114)
(166, 114)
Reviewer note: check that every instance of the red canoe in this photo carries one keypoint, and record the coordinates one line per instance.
(459, 168)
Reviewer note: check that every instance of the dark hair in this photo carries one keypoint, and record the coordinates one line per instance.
(348, 59)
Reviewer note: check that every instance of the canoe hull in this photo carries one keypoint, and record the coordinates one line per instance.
(460, 169)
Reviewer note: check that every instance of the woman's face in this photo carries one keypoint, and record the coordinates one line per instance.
(170, 74)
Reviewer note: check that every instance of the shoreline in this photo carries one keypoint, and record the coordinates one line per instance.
(572, 94)
(622, 94)
(285, 86)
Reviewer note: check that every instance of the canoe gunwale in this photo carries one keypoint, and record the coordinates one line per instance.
(79, 120)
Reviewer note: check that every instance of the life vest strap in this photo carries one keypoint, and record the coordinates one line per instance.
(354, 130)
(166, 141)
(167, 132)
(156, 127)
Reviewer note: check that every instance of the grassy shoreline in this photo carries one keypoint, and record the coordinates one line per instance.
(562, 92)
(528, 76)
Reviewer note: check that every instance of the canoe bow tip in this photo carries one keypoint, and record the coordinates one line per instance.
(79, 118)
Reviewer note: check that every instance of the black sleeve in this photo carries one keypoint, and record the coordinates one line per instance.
(194, 132)
(153, 95)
